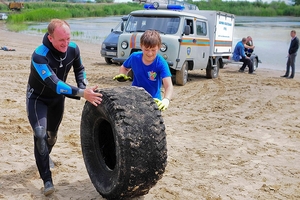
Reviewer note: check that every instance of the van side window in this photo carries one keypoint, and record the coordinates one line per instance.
(190, 23)
(201, 28)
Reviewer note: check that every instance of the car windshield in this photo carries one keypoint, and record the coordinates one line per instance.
(166, 25)
(118, 27)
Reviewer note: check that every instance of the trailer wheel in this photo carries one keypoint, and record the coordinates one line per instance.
(123, 143)
(221, 63)
(182, 75)
(254, 62)
(213, 72)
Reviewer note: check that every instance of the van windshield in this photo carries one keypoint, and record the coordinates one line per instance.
(166, 25)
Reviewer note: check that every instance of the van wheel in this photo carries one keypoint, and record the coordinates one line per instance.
(123, 143)
(212, 72)
(182, 75)
(108, 60)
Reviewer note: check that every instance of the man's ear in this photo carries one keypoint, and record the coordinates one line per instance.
(49, 37)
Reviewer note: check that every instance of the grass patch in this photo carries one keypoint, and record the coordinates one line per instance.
(16, 27)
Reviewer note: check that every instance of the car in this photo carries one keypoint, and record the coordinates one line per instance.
(109, 45)
(3, 16)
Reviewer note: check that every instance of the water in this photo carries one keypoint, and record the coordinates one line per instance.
(271, 35)
(93, 30)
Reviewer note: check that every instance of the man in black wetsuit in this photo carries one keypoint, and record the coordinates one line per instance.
(47, 89)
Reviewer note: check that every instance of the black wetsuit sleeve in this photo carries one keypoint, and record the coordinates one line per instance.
(79, 71)
(40, 64)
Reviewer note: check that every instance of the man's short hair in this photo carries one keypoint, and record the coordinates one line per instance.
(244, 39)
(54, 23)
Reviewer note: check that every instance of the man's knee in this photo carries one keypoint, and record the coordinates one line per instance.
(52, 137)
(41, 139)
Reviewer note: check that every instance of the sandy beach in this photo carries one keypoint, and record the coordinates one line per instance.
(234, 137)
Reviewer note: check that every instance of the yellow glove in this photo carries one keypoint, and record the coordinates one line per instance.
(156, 100)
(163, 104)
(122, 78)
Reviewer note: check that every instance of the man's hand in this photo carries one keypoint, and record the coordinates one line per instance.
(163, 104)
(122, 78)
(93, 97)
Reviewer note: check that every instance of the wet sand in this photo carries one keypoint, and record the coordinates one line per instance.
(234, 137)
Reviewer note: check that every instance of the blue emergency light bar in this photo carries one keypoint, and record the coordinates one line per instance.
(163, 6)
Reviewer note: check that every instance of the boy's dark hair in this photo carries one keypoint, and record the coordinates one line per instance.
(150, 39)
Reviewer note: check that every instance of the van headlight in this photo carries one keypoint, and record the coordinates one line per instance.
(124, 45)
(163, 47)
(103, 46)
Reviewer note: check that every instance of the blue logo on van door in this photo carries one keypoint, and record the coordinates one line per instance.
(188, 50)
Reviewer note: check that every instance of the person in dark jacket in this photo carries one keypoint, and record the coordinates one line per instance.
(294, 45)
(249, 46)
(47, 89)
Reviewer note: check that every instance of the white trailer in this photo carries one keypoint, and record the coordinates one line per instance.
(221, 26)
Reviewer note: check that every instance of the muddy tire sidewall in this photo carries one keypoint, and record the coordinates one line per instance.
(123, 143)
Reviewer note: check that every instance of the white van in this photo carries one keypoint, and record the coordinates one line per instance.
(191, 39)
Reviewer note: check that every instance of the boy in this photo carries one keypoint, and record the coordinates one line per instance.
(150, 69)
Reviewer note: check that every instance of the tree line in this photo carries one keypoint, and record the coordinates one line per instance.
(246, 8)
(89, 9)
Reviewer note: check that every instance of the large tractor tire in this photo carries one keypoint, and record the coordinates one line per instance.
(123, 143)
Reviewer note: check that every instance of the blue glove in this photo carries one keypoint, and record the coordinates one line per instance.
(122, 78)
